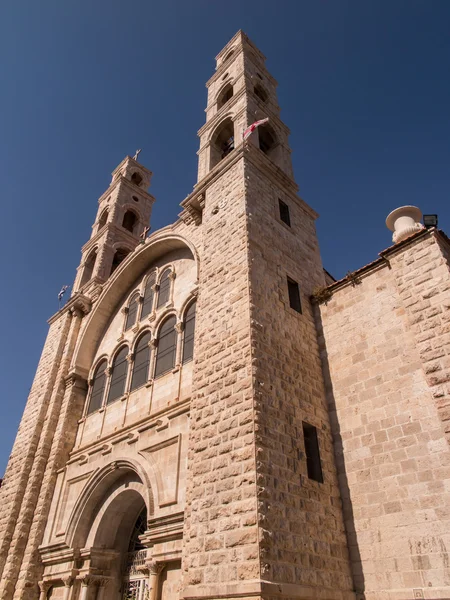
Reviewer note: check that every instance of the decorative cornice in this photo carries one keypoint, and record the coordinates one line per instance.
(78, 302)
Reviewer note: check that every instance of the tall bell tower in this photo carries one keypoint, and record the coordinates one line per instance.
(263, 516)
(124, 211)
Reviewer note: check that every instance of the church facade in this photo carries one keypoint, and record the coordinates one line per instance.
(213, 416)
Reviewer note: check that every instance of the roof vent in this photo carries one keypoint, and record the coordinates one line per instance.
(404, 221)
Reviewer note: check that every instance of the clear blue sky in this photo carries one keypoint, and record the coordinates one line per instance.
(364, 87)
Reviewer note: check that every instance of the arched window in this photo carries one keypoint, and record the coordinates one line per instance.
(136, 178)
(267, 140)
(103, 219)
(225, 95)
(164, 289)
(118, 375)
(98, 388)
(167, 347)
(129, 221)
(119, 256)
(229, 55)
(222, 142)
(132, 312)
(89, 267)
(188, 335)
(149, 294)
(261, 93)
(141, 362)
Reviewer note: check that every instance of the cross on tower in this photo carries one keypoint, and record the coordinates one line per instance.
(136, 156)
(144, 234)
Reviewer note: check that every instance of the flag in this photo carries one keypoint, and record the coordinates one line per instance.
(62, 292)
(248, 132)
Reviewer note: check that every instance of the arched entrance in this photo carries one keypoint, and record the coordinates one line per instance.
(134, 583)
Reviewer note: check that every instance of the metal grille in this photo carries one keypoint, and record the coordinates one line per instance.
(167, 347)
(189, 330)
(135, 589)
(119, 375)
(141, 362)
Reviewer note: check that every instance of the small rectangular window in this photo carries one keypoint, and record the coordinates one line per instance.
(294, 295)
(284, 212)
(312, 452)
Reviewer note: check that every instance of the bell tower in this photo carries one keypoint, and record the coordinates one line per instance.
(123, 215)
(240, 92)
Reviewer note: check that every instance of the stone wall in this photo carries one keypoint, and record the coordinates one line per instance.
(383, 341)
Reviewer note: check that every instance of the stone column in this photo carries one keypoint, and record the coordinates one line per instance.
(154, 569)
(87, 582)
(179, 328)
(44, 586)
(68, 588)
(102, 585)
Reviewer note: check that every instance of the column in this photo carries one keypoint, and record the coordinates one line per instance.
(68, 588)
(102, 583)
(179, 327)
(44, 586)
(154, 569)
(87, 582)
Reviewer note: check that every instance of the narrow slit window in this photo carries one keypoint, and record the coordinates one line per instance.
(118, 376)
(141, 362)
(313, 463)
(284, 212)
(98, 388)
(149, 293)
(132, 312)
(294, 295)
(167, 347)
(188, 336)
(164, 289)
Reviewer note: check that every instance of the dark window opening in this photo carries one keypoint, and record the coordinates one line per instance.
(225, 95)
(284, 212)
(313, 463)
(103, 219)
(164, 289)
(136, 178)
(98, 388)
(89, 268)
(119, 256)
(135, 198)
(188, 335)
(118, 376)
(294, 295)
(259, 75)
(167, 347)
(132, 312)
(141, 362)
(129, 221)
(149, 293)
(222, 143)
(260, 93)
(229, 55)
(266, 139)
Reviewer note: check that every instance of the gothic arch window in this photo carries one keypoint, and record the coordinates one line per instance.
(119, 256)
(132, 312)
(119, 373)
(89, 267)
(261, 93)
(167, 347)
(103, 219)
(129, 221)
(164, 288)
(267, 139)
(149, 294)
(225, 95)
(136, 178)
(229, 55)
(141, 362)
(97, 388)
(222, 142)
(188, 333)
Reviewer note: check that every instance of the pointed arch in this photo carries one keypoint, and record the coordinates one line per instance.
(225, 94)
(103, 219)
(130, 220)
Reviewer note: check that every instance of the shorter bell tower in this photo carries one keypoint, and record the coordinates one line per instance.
(122, 219)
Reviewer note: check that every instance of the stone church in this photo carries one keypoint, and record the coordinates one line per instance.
(213, 416)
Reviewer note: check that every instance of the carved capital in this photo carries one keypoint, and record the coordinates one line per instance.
(73, 379)
(67, 581)
(155, 288)
(44, 586)
(140, 299)
(172, 275)
(179, 327)
(130, 357)
(154, 568)
(153, 343)
(108, 371)
(87, 580)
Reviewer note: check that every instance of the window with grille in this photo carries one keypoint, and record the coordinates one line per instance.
(132, 312)
(149, 293)
(294, 295)
(98, 388)
(167, 347)
(188, 335)
(313, 463)
(118, 376)
(284, 212)
(141, 362)
(164, 289)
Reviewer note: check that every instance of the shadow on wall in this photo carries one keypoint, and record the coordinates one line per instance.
(347, 506)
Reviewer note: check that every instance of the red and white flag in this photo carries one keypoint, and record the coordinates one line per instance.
(248, 132)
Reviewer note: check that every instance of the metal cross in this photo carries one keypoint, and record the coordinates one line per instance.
(144, 234)
(136, 156)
